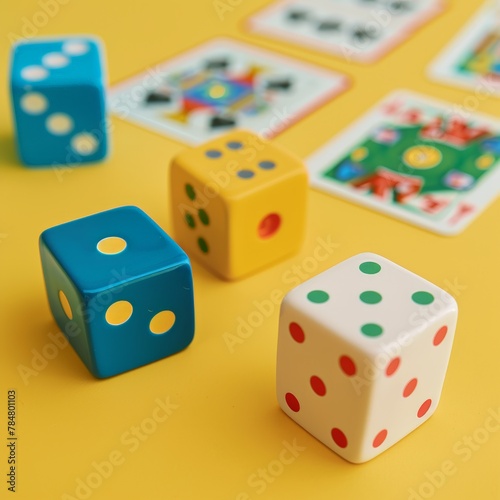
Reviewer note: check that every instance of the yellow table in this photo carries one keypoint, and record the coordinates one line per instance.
(205, 424)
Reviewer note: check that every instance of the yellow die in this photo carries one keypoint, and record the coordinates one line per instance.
(238, 203)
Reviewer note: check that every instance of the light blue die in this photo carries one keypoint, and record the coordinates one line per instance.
(58, 98)
(119, 288)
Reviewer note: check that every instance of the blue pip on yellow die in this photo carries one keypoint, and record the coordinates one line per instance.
(238, 203)
(119, 288)
(58, 100)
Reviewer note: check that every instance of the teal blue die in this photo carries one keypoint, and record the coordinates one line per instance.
(119, 288)
(58, 98)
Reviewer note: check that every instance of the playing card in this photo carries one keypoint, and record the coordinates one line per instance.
(417, 159)
(472, 60)
(359, 30)
(221, 85)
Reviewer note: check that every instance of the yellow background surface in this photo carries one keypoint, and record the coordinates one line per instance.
(224, 428)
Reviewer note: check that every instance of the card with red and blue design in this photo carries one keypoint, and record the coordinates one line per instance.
(416, 159)
(221, 85)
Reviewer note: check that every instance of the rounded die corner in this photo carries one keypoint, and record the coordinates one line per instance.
(451, 303)
(42, 237)
(370, 256)
(131, 208)
(291, 297)
(99, 375)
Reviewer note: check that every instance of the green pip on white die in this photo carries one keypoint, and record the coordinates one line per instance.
(363, 350)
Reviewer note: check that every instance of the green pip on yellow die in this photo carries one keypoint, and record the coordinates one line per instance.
(238, 203)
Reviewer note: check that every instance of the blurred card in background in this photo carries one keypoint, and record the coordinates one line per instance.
(416, 159)
(359, 30)
(472, 60)
(221, 85)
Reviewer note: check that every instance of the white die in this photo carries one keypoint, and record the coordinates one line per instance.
(362, 354)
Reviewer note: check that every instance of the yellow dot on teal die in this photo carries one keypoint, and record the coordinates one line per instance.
(370, 268)
(34, 103)
(370, 297)
(423, 298)
(318, 296)
(372, 330)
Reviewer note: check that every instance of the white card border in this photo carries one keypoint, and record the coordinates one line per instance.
(369, 57)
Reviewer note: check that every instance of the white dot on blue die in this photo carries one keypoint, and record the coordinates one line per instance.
(55, 60)
(76, 48)
(34, 73)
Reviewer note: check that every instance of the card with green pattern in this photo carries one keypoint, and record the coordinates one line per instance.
(420, 160)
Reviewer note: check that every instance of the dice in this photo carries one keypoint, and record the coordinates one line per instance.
(58, 99)
(363, 350)
(119, 288)
(238, 203)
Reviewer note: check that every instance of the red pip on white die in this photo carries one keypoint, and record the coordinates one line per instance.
(362, 354)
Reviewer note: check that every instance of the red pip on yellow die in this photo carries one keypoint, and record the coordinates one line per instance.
(238, 203)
